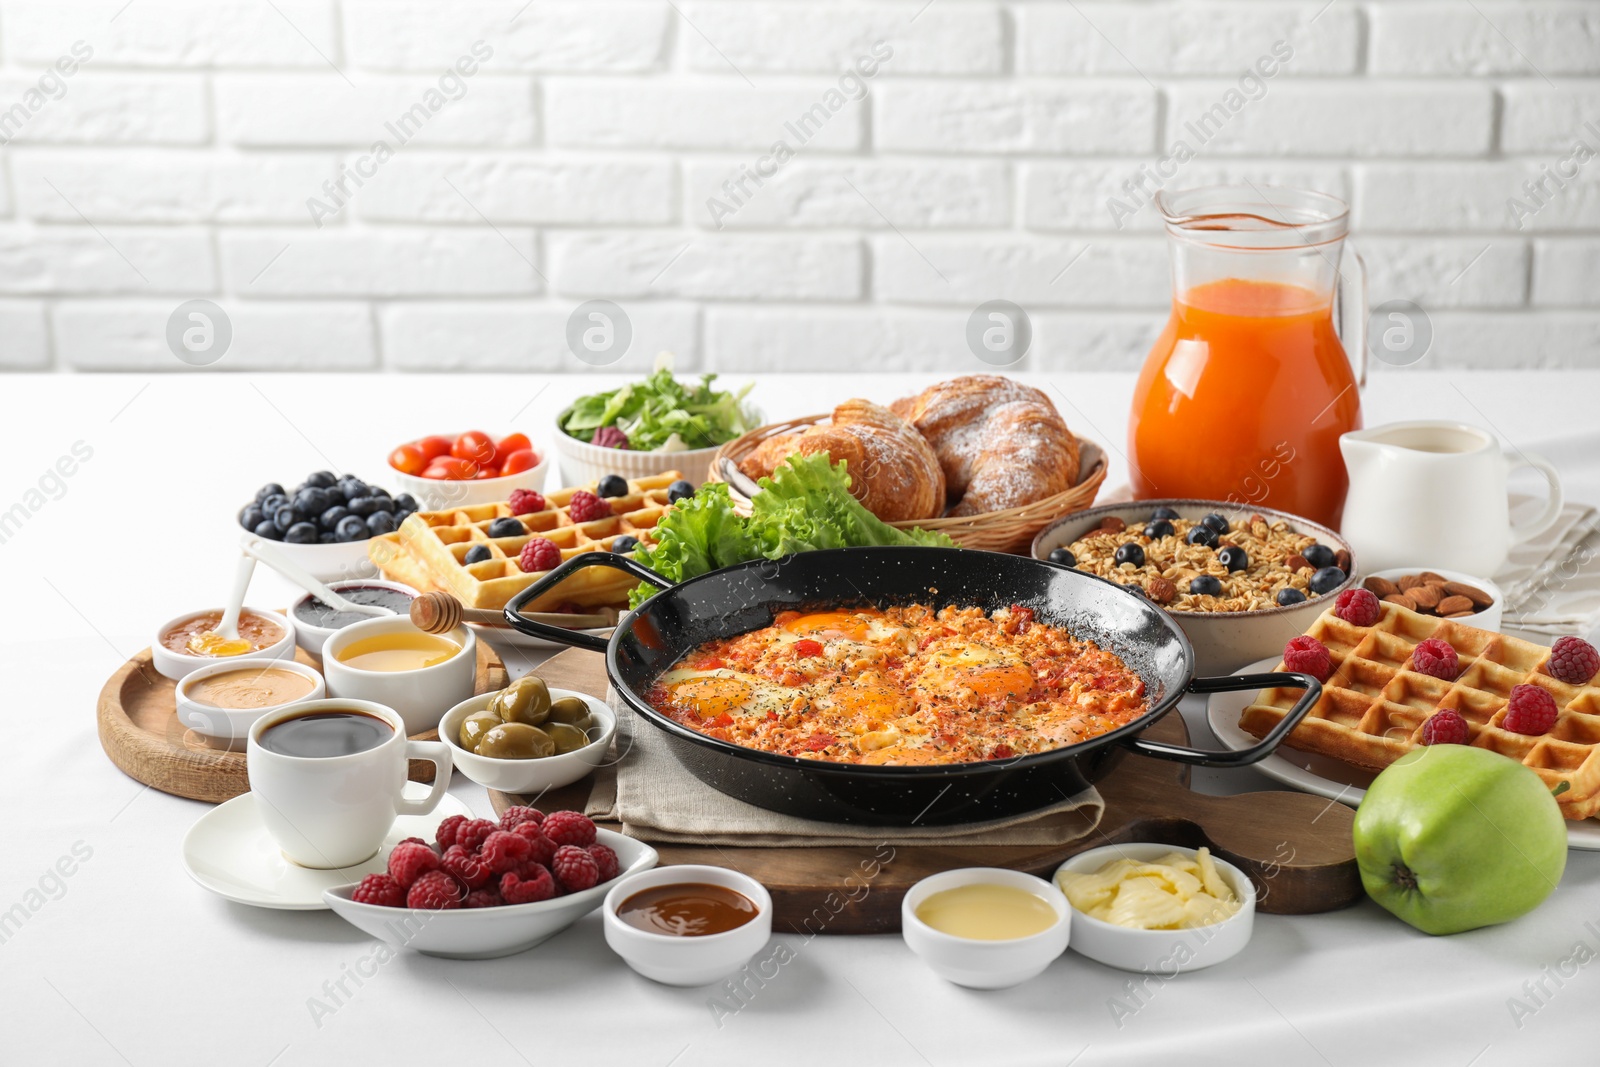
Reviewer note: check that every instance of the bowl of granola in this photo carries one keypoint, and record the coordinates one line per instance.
(1240, 581)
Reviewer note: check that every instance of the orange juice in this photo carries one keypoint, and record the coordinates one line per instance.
(1243, 398)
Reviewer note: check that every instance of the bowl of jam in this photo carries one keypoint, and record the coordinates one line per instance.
(315, 622)
(688, 925)
(192, 640)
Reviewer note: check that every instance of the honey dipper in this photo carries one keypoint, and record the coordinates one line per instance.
(439, 612)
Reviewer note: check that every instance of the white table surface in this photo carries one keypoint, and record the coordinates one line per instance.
(128, 961)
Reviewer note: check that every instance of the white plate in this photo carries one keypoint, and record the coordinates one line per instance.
(230, 853)
(1321, 775)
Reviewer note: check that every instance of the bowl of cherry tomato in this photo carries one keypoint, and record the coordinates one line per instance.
(460, 470)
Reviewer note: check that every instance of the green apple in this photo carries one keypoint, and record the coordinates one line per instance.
(1451, 838)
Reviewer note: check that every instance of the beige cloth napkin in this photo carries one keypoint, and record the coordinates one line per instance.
(655, 799)
(1550, 586)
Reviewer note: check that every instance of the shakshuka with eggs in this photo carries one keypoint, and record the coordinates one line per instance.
(902, 686)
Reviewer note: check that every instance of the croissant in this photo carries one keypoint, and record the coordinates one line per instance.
(1001, 444)
(893, 470)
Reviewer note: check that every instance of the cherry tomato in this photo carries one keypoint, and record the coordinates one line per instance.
(408, 459)
(807, 647)
(433, 447)
(512, 442)
(474, 445)
(487, 472)
(450, 469)
(524, 459)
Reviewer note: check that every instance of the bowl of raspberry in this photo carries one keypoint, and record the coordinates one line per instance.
(488, 888)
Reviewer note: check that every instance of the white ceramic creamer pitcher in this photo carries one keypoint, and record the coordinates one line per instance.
(1433, 494)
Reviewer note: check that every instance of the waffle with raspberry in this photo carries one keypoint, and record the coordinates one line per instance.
(1374, 705)
(429, 550)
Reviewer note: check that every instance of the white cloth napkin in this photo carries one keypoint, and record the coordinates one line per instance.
(649, 792)
(1551, 585)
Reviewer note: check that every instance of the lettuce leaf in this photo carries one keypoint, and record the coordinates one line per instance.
(652, 411)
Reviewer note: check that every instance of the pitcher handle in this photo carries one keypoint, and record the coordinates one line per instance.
(1524, 531)
(1352, 296)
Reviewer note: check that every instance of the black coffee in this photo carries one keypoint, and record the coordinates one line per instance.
(320, 734)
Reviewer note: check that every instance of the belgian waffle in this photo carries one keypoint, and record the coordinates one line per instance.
(429, 549)
(1373, 707)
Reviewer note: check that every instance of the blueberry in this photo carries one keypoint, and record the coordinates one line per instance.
(612, 485)
(1202, 534)
(251, 516)
(506, 527)
(624, 544)
(285, 517)
(405, 502)
(1290, 595)
(312, 501)
(1130, 553)
(1205, 585)
(1216, 521)
(477, 554)
(1063, 556)
(679, 489)
(352, 528)
(320, 479)
(1159, 528)
(365, 505)
(270, 489)
(1234, 558)
(301, 533)
(380, 522)
(353, 487)
(381, 493)
(273, 503)
(336, 494)
(1319, 556)
(327, 538)
(1326, 580)
(1163, 513)
(268, 529)
(329, 520)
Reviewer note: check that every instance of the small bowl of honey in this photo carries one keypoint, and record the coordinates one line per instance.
(687, 925)
(391, 662)
(221, 701)
(985, 927)
(192, 640)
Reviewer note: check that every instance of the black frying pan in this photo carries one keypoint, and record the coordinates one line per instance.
(649, 641)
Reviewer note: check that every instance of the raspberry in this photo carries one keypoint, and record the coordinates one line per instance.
(446, 834)
(540, 847)
(512, 818)
(527, 889)
(526, 501)
(505, 851)
(1531, 711)
(1358, 607)
(483, 898)
(1445, 727)
(435, 891)
(413, 841)
(410, 861)
(1573, 660)
(586, 507)
(568, 828)
(379, 889)
(1308, 656)
(1436, 658)
(609, 437)
(472, 835)
(605, 858)
(470, 869)
(539, 554)
(576, 869)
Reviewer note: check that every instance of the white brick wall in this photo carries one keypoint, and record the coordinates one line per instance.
(228, 150)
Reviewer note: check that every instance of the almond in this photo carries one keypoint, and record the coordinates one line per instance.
(1479, 598)
(1433, 577)
(1402, 600)
(1426, 597)
(1112, 524)
(1341, 559)
(1297, 563)
(1381, 587)
(1453, 605)
(1459, 615)
(1409, 582)
(1161, 590)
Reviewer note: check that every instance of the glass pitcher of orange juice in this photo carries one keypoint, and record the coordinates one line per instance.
(1245, 394)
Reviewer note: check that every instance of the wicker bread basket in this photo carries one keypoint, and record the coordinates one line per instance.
(1011, 530)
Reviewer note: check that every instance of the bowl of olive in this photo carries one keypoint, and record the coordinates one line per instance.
(528, 737)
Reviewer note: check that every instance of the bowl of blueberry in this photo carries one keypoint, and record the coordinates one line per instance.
(1240, 581)
(323, 524)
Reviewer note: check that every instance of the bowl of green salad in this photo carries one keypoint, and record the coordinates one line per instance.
(659, 424)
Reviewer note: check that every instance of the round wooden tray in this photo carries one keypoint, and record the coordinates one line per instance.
(1011, 530)
(140, 731)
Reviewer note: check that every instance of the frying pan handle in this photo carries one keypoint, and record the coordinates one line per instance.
(1256, 752)
(559, 634)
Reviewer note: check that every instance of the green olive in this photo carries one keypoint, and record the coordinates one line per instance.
(474, 726)
(525, 700)
(574, 711)
(516, 740)
(567, 738)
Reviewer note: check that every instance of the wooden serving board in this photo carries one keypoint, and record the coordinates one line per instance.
(140, 731)
(1297, 848)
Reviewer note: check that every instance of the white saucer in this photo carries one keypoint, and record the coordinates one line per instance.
(230, 853)
(1320, 775)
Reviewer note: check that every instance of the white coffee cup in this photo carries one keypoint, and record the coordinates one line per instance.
(334, 811)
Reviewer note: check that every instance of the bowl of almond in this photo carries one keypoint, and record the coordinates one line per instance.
(1445, 594)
